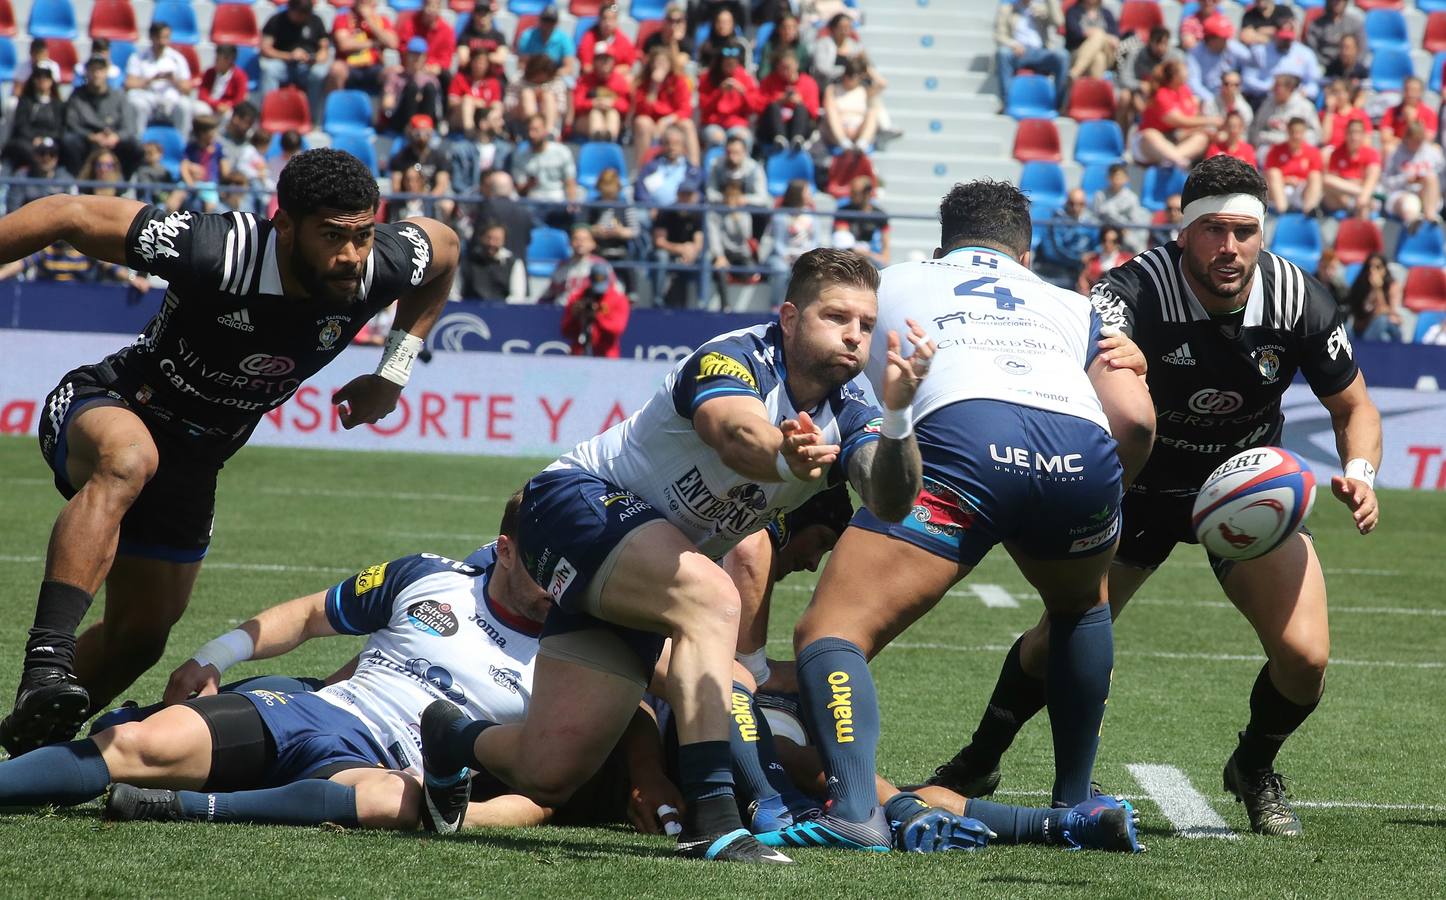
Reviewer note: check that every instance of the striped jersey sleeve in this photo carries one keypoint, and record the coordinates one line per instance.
(201, 252)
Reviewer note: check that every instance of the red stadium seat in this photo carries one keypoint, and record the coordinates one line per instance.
(1381, 4)
(192, 59)
(646, 29)
(114, 20)
(1140, 16)
(235, 24)
(7, 19)
(523, 23)
(62, 52)
(1091, 98)
(285, 110)
(1358, 239)
(1037, 140)
(1315, 12)
(1425, 289)
(581, 8)
(1435, 40)
(462, 7)
(845, 168)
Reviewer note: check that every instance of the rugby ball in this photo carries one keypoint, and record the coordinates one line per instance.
(1253, 502)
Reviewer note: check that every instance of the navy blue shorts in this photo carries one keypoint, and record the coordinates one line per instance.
(312, 737)
(1048, 483)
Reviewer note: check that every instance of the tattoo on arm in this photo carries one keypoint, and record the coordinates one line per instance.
(888, 474)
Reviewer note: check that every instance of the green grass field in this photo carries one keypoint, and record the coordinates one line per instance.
(1369, 766)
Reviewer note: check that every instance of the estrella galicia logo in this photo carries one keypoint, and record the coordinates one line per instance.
(438, 677)
(432, 617)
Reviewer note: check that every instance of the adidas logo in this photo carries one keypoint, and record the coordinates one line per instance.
(1180, 356)
(239, 320)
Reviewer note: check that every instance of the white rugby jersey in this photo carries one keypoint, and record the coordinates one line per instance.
(434, 634)
(1003, 334)
(657, 455)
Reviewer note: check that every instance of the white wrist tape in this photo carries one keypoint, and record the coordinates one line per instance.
(757, 664)
(784, 472)
(398, 357)
(1361, 470)
(898, 423)
(226, 651)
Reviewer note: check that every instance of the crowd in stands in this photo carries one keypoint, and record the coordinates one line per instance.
(527, 142)
(1324, 100)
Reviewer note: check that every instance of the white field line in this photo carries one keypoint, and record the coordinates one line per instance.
(1303, 804)
(1186, 808)
(238, 566)
(462, 497)
(1329, 570)
(993, 596)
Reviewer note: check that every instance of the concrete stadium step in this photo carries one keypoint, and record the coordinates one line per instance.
(927, 40)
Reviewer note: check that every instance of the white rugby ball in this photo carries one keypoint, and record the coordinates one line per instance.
(1253, 502)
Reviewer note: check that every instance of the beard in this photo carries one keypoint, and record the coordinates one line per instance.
(1203, 274)
(318, 285)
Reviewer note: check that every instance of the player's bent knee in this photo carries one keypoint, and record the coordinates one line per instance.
(707, 597)
(552, 787)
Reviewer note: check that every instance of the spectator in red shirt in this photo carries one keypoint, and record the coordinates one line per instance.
(1411, 109)
(475, 89)
(663, 98)
(728, 97)
(1343, 105)
(1172, 131)
(223, 86)
(605, 34)
(1350, 179)
(360, 34)
(1293, 170)
(596, 314)
(601, 99)
(791, 104)
(427, 23)
(1231, 140)
(1192, 27)
(481, 36)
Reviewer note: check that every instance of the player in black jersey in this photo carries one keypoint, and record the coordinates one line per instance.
(1225, 327)
(254, 307)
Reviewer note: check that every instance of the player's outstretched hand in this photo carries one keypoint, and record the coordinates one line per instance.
(1121, 352)
(191, 679)
(1361, 498)
(654, 804)
(366, 399)
(903, 376)
(804, 450)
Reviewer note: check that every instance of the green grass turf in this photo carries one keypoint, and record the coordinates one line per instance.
(317, 516)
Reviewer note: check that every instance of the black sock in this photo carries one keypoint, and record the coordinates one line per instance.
(1273, 718)
(58, 612)
(705, 771)
(1017, 697)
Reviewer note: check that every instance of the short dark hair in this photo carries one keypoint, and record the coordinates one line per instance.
(1159, 33)
(1222, 175)
(1117, 167)
(156, 28)
(325, 179)
(1294, 121)
(824, 266)
(993, 213)
(245, 110)
(509, 514)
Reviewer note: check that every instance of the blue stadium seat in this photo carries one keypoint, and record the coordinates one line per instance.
(120, 54)
(348, 112)
(1044, 184)
(1437, 63)
(1386, 30)
(765, 31)
(53, 19)
(1426, 321)
(248, 59)
(361, 146)
(1031, 97)
(1389, 68)
(405, 5)
(1427, 247)
(583, 24)
(596, 156)
(7, 59)
(1095, 178)
(781, 168)
(525, 7)
(711, 156)
(1350, 272)
(173, 146)
(1430, 6)
(647, 9)
(548, 247)
(235, 2)
(1297, 238)
(1303, 4)
(1100, 141)
(1160, 183)
(181, 16)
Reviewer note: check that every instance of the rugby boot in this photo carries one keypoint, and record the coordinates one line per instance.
(128, 803)
(733, 846)
(965, 776)
(828, 830)
(446, 789)
(1103, 823)
(50, 707)
(921, 828)
(1265, 798)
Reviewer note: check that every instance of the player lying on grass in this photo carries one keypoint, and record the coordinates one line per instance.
(1226, 326)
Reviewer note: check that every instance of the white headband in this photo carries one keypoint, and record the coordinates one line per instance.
(1232, 204)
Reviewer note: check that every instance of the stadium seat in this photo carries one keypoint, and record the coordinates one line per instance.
(1160, 182)
(248, 59)
(1044, 184)
(1438, 63)
(1386, 29)
(1381, 4)
(1100, 141)
(1427, 247)
(1358, 239)
(710, 156)
(545, 250)
(173, 146)
(406, 5)
(1091, 98)
(523, 24)
(114, 20)
(1431, 6)
(581, 8)
(1031, 97)
(1037, 139)
(193, 59)
(181, 16)
(647, 10)
(1435, 38)
(63, 53)
(1433, 318)
(1389, 68)
(525, 7)
(1095, 178)
(646, 29)
(52, 19)
(1297, 238)
(235, 25)
(361, 146)
(462, 7)
(1425, 289)
(7, 19)
(1140, 16)
(760, 40)
(347, 112)
(285, 109)
(120, 54)
(781, 168)
(7, 59)
(252, 2)
(846, 167)
(596, 156)
(581, 28)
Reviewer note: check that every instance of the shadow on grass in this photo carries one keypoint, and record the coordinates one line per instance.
(1034, 880)
(563, 846)
(1420, 823)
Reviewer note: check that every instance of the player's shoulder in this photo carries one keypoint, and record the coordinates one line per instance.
(399, 574)
(225, 250)
(402, 252)
(752, 355)
(1293, 299)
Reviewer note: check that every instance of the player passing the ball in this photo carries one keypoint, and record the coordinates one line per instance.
(1225, 327)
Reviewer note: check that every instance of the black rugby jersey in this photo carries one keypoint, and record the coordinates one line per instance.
(1217, 382)
(226, 347)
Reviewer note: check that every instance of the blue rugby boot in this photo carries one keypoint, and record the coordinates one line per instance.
(830, 831)
(1102, 823)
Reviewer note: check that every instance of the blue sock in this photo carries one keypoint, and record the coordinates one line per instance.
(705, 778)
(842, 712)
(793, 799)
(1018, 824)
(61, 774)
(744, 745)
(1081, 660)
(309, 802)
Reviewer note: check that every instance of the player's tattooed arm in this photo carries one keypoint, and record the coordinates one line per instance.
(96, 226)
(1357, 425)
(889, 474)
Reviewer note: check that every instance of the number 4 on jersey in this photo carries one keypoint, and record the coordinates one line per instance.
(976, 287)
